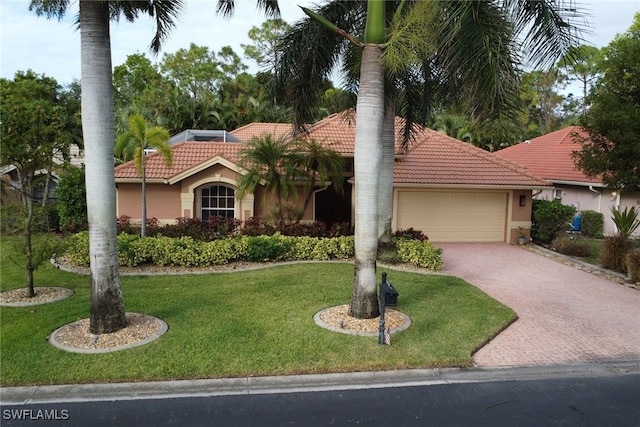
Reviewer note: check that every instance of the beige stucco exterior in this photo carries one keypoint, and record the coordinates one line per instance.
(168, 201)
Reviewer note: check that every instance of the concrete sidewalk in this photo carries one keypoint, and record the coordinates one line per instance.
(30, 395)
(565, 315)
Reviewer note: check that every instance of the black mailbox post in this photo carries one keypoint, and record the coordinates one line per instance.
(388, 293)
(388, 297)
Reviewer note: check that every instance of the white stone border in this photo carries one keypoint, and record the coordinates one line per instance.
(163, 328)
(322, 324)
(68, 293)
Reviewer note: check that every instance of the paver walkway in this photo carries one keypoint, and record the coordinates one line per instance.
(565, 315)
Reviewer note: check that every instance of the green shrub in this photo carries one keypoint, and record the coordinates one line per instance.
(633, 264)
(217, 252)
(72, 201)
(549, 219)
(389, 256)
(186, 252)
(420, 253)
(303, 247)
(614, 252)
(11, 218)
(345, 246)
(78, 248)
(44, 220)
(569, 246)
(266, 248)
(126, 249)
(592, 224)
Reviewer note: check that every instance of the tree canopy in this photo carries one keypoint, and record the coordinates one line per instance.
(613, 119)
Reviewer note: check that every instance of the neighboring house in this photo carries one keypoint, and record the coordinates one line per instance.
(550, 157)
(450, 190)
(10, 181)
(11, 188)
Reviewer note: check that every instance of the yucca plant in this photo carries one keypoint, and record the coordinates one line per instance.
(626, 221)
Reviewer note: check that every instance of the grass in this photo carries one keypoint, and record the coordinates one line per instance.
(244, 324)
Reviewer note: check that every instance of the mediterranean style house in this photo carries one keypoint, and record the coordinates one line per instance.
(450, 190)
(550, 157)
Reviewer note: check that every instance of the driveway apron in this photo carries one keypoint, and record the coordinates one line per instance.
(565, 315)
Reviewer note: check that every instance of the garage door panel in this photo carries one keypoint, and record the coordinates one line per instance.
(454, 216)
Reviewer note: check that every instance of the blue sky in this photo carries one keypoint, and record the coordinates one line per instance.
(52, 47)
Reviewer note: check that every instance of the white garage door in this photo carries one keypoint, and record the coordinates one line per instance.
(449, 216)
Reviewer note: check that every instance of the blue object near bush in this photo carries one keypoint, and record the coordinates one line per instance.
(577, 223)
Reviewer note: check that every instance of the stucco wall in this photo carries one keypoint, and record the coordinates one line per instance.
(520, 215)
(263, 207)
(168, 202)
(595, 199)
(163, 201)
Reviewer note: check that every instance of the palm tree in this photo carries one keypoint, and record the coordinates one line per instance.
(468, 47)
(318, 164)
(269, 161)
(133, 144)
(107, 306)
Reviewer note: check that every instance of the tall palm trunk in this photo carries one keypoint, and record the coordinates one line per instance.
(143, 226)
(369, 124)
(107, 307)
(385, 197)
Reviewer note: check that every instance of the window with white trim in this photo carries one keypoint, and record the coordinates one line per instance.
(217, 200)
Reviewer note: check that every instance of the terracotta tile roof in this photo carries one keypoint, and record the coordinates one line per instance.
(258, 130)
(432, 158)
(187, 156)
(438, 159)
(550, 156)
(338, 132)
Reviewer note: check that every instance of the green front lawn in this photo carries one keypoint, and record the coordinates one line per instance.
(245, 323)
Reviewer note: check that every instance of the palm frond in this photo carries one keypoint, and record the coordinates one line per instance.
(310, 52)
(49, 8)
(548, 28)
(269, 7)
(478, 54)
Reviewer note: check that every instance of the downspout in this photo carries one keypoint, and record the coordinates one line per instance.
(314, 200)
(599, 197)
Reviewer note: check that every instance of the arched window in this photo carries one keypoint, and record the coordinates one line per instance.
(217, 200)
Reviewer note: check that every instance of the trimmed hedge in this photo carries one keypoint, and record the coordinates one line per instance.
(188, 252)
(592, 224)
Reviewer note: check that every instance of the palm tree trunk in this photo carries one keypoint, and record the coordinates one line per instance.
(143, 226)
(107, 307)
(385, 198)
(369, 124)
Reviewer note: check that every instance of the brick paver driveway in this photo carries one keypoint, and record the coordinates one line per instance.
(565, 315)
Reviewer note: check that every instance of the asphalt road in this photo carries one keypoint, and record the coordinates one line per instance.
(575, 401)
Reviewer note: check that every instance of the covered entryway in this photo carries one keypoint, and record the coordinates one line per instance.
(453, 216)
